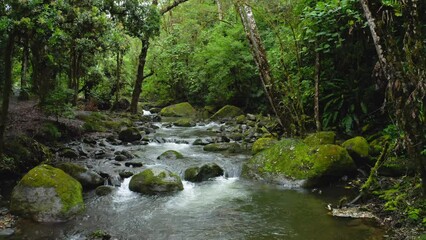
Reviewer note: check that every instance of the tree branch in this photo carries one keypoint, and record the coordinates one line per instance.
(173, 5)
(148, 75)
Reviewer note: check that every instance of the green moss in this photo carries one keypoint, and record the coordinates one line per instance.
(155, 180)
(240, 119)
(227, 111)
(72, 169)
(170, 154)
(296, 160)
(357, 147)
(262, 144)
(220, 147)
(68, 189)
(191, 173)
(93, 126)
(320, 138)
(178, 110)
(184, 122)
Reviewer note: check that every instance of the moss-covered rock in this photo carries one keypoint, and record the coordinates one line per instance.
(262, 144)
(170, 155)
(240, 119)
(47, 194)
(68, 153)
(87, 178)
(358, 149)
(124, 175)
(221, 147)
(104, 190)
(320, 138)
(129, 135)
(227, 112)
(23, 153)
(296, 160)
(184, 109)
(203, 173)
(155, 180)
(184, 122)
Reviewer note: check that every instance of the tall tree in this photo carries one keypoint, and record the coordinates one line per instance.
(259, 55)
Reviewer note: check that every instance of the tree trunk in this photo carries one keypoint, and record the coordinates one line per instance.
(119, 62)
(138, 84)
(8, 54)
(317, 79)
(219, 9)
(24, 67)
(259, 55)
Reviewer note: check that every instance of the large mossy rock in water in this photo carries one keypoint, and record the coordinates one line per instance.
(170, 155)
(227, 112)
(293, 159)
(203, 173)
(221, 147)
(262, 144)
(87, 178)
(155, 180)
(358, 148)
(320, 138)
(184, 122)
(184, 109)
(130, 135)
(47, 194)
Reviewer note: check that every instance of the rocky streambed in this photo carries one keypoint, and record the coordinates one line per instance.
(210, 200)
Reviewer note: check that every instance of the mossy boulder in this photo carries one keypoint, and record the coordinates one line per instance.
(184, 109)
(262, 144)
(203, 173)
(170, 155)
(221, 147)
(320, 138)
(129, 135)
(184, 122)
(240, 119)
(68, 153)
(47, 194)
(87, 178)
(155, 180)
(104, 190)
(227, 112)
(294, 159)
(358, 148)
(23, 154)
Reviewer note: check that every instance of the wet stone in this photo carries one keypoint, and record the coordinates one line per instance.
(133, 164)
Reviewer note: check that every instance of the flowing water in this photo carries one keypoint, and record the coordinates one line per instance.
(223, 208)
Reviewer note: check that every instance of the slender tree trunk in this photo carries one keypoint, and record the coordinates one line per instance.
(24, 67)
(118, 79)
(219, 9)
(138, 84)
(8, 54)
(317, 80)
(259, 55)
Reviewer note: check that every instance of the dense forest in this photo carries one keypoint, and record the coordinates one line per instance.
(289, 73)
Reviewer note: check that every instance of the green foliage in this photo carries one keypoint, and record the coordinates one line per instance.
(57, 104)
(50, 132)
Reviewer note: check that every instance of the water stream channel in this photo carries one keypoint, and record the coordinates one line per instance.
(226, 207)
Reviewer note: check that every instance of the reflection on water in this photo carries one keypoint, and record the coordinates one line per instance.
(223, 208)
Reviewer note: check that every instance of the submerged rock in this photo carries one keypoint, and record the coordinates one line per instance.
(227, 112)
(47, 194)
(203, 173)
(178, 110)
(155, 180)
(296, 160)
(170, 155)
(220, 147)
(129, 135)
(88, 178)
(320, 138)
(352, 212)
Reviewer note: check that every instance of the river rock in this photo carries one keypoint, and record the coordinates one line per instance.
(129, 135)
(320, 138)
(124, 175)
(296, 160)
(203, 173)
(87, 178)
(47, 194)
(68, 153)
(184, 122)
(104, 190)
(155, 180)
(6, 232)
(227, 112)
(200, 142)
(220, 147)
(120, 158)
(184, 109)
(262, 144)
(170, 155)
(358, 148)
(133, 164)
